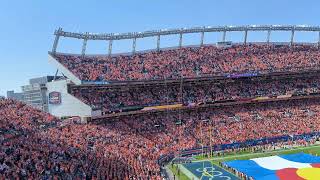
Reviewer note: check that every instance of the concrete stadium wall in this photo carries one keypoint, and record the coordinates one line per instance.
(70, 105)
(64, 70)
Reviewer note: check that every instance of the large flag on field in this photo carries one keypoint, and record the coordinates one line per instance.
(283, 167)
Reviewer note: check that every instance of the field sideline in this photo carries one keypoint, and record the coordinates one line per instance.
(183, 175)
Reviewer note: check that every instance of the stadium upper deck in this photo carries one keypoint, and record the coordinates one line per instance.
(206, 61)
(225, 59)
(108, 83)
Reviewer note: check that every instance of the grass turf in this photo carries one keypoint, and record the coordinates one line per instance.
(180, 175)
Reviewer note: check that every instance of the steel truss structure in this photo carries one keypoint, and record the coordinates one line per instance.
(85, 37)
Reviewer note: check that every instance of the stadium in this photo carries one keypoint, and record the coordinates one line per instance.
(228, 110)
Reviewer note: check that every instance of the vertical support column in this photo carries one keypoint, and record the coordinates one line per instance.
(224, 36)
(158, 43)
(55, 75)
(84, 45)
(269, 36)
(55, 44)
(110, 47)
(319, 40)
(56, 41)
(292, 37)
(245, 36)
(202, 38)
(180, 40)
(181, 89)
(134, 45)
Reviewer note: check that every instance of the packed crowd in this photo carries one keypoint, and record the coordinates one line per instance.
(18, 118)
(192, 62)
(114, 100)
(128, 148)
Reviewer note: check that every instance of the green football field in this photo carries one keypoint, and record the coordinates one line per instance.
(183, 174)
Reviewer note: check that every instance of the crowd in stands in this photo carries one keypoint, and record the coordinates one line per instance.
(36, 145)
(192, 62)
(114, 100)
(128, 147)
(18, 118)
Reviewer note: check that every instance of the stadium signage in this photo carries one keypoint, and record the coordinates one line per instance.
(242, 75)
(54, 97)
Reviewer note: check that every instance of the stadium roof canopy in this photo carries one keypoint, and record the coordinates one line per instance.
(132, 35)
(162, 32)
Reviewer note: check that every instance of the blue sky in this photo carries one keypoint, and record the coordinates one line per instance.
(26, 33)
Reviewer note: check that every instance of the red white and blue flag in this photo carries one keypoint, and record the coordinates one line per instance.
(284, 167)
